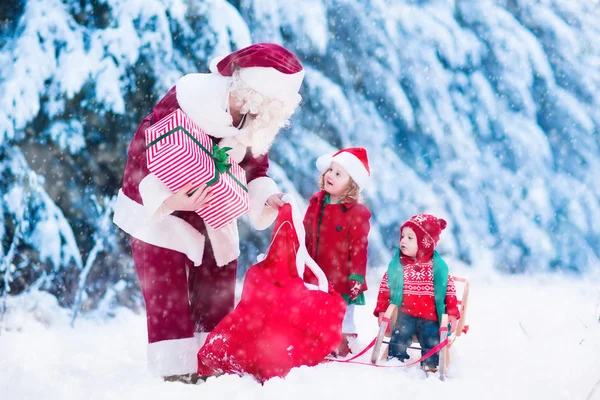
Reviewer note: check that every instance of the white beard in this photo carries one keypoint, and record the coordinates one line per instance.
(262, 139)
(238, 143)
(259, 143)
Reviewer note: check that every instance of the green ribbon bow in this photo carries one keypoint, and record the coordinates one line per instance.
(218, 155)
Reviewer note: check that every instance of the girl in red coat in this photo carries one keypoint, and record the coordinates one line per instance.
(417, 281)
(337, 226)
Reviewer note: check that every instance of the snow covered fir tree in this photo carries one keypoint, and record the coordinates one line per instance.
(483, 112)
(489, 108)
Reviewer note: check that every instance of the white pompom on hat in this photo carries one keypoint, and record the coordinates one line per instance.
(353, 159)
(268, 68)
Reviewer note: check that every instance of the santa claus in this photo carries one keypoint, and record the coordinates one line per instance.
(186, 270)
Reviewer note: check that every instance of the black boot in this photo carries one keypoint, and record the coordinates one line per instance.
(185, 378)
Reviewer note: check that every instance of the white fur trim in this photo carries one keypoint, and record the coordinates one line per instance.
(154, 193)
(213, 64)
(174, 233)
(225, 242)
(201, 337)
(302, 257)
(170, 232)
(353, 166)
(272, 83)
(261, 216)
(162, 212)
(348, 325)
(324, 162)
(204, 98)
(174, 357)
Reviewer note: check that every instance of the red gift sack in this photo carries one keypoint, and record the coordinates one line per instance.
(281, 322)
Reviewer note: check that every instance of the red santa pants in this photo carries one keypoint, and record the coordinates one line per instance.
(180, 298)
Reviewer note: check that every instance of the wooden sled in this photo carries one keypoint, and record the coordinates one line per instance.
(380, 350)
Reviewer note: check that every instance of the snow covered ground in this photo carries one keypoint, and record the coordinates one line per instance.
(530, 338)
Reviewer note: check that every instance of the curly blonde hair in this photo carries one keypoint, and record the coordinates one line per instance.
(271, 114)
(350, 195)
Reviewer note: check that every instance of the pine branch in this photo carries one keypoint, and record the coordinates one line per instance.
(7, 268)
(100, 235)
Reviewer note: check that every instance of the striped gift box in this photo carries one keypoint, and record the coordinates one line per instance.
(178, 152)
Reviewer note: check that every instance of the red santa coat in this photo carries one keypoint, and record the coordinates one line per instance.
(337, 239)
(178, 303)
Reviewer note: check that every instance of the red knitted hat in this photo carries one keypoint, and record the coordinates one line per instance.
(427, 228)
(268, 68)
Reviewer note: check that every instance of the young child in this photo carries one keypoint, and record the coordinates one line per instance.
(417, 281)
(337, 226)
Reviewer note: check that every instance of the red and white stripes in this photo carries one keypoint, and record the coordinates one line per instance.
(178, 159)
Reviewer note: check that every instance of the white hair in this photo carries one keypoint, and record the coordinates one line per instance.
(271, 114)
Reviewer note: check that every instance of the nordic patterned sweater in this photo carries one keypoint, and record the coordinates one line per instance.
(418, 297)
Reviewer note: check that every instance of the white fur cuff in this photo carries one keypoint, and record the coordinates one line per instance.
(261, 216)
(170, 232)
(225, 243)
(154, 193)
(174, 357)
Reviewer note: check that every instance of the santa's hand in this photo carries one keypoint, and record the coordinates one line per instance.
(453, 321)
(274, 200)
(355, 289)
(182, 201)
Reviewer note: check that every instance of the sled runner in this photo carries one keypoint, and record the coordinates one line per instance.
(380, 350)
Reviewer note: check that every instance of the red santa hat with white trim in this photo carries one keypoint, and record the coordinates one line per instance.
(268, 68)
(353, 159)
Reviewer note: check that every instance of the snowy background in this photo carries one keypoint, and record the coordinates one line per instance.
(527, 339)
(486, 113)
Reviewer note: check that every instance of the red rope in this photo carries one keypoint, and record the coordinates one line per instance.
(362, 352)
(431, 352)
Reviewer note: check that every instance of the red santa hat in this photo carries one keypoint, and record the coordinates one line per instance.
(268, 68)
(427, 228)
(353, 159)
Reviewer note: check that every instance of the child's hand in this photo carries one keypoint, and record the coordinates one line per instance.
(453, 323)
(380, 318)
